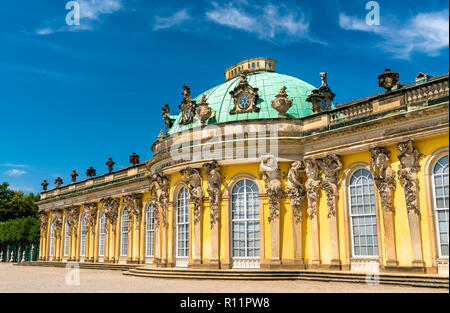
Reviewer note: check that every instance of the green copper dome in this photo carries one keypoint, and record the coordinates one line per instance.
(268, 84)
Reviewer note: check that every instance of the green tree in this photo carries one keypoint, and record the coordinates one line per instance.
(15, 204)
(24, 229)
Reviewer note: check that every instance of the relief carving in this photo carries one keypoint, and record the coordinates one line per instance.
(203, 110)
(331, 166)
(274, 188)
(409, 165)
(214, 191)
(295, 189)
(312, 185)
(383, 176)
(193, 179)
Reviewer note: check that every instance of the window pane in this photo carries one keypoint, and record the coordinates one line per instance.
(362, 211)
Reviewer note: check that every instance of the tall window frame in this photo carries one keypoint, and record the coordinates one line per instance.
(149, 231)
(51, 251)
(245, 221)
(102, 235)
(362, 211)
(440, 195)
(182, 224)
(66, 238)
(83, 233)
(124, 233)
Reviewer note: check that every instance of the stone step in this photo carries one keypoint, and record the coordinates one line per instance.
(411, 280)
(100, 266)
(311, 278)
(263, 273)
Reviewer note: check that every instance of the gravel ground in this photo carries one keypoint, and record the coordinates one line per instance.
(53, 279)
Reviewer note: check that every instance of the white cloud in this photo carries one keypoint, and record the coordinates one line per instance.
(426, 32)
(45, 31)
(14, 165)
(174, 20)
(269, 22)
(15, 172)
(90, 10)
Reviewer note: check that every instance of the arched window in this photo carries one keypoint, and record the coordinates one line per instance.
(83, 236)
(150, 231)
(66, 238)
(182, 223)
(363, 219)
(101, 235)
(124, 233)
(245, 238)
(441, 203)
(52, 240)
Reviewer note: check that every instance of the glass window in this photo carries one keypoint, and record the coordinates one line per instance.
(183, 223)
(66, 238)
(441, 203)
(83, 236)
(101, 235)
(124, 233)
(150, 231)
(52, 240)
(245, 220)
(363, 219)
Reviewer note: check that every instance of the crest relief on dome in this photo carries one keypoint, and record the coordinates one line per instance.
(187, 106)
(245, 97)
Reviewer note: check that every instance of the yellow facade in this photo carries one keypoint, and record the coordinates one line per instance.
(396, 118)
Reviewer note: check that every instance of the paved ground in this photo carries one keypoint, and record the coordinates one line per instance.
(53, 279)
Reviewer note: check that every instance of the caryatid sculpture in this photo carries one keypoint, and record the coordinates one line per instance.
(312, 185)
(159, 189)
(295, 189)
(90, 210)
(133, 203)
(72, 214)
(43, 217)
(331, 166)
(193, 179)
(383, 176)
(409, 165)
(214, 182)
(57, 222)
(272, 177)
(110, 208)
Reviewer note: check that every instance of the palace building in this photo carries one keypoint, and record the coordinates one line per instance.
(265, 171)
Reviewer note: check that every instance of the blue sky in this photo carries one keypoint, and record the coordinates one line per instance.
(73, 96)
